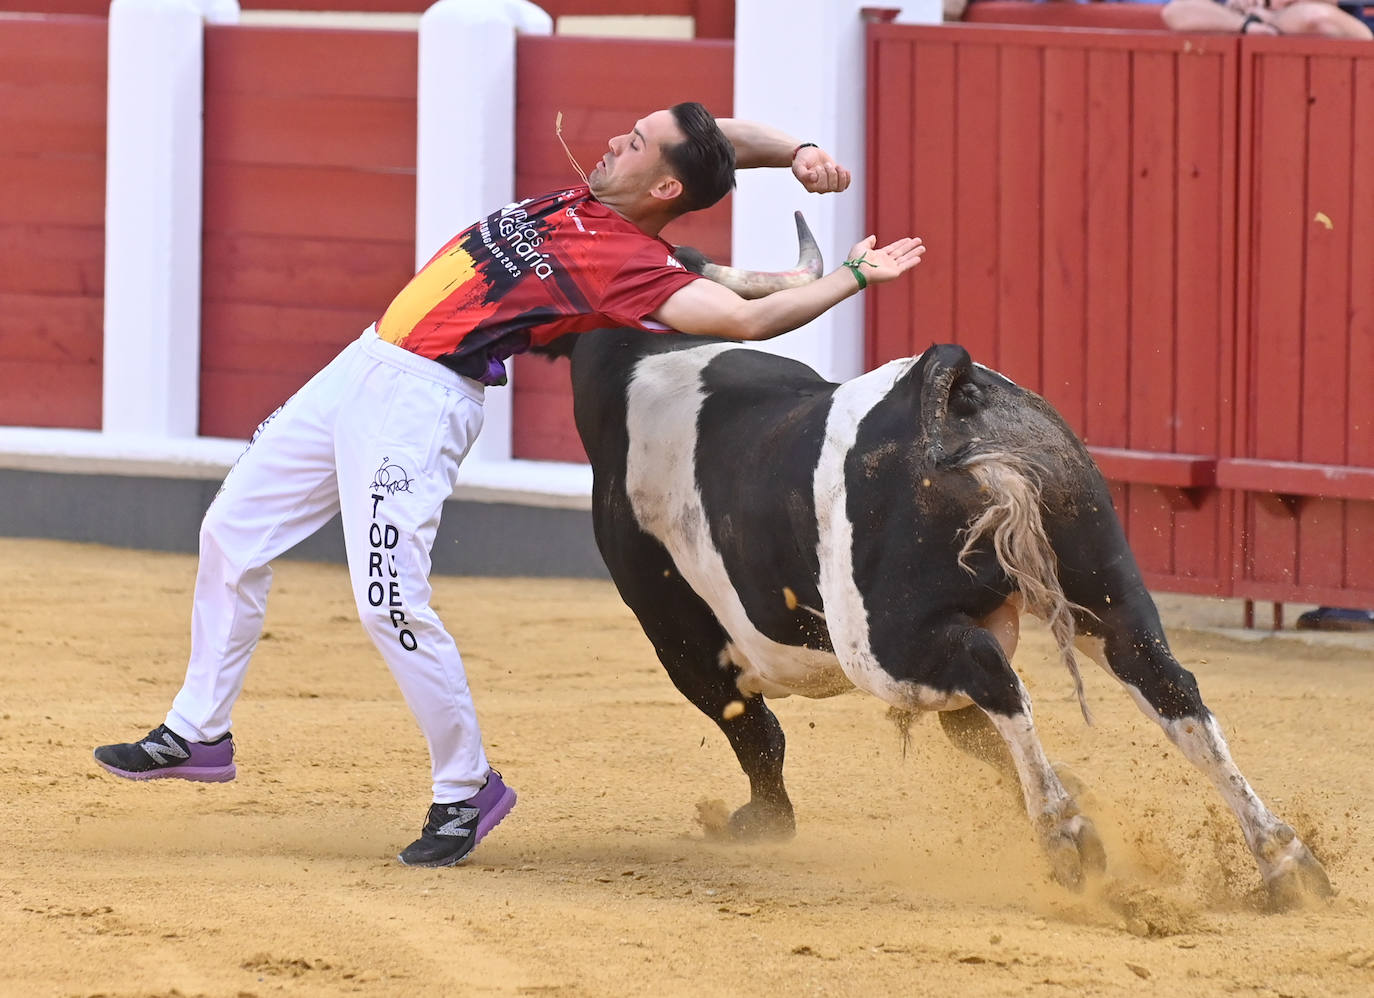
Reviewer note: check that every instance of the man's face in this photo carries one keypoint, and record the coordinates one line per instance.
(634, 162)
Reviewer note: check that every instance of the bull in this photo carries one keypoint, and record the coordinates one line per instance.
(776, 533)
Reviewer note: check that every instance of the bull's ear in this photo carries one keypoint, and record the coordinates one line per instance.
(934, 377)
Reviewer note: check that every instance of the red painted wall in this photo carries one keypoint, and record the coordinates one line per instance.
(309, 226)
(602, 86)
(52, 220)
(1076, 192)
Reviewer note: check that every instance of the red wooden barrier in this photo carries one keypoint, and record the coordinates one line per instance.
(602, 86)
(1121, 16)
(52, 220)
(713, 18)
(309, 226)
(1304, 452)
(1076, 193)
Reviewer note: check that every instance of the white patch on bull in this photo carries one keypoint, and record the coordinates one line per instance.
(845, 614)
(1045, 796)
(665, 397)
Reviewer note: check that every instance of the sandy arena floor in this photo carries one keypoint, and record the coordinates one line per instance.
(913, 875)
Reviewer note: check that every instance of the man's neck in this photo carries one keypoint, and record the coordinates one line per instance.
(648, 222)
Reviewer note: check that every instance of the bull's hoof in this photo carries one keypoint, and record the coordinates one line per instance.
(1075, 851)
(754, 822)
(1294, 875)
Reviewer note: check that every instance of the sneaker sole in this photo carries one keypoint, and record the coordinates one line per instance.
(192, 774)
(485, 824)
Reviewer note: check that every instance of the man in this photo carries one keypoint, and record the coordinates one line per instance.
(379, 434)
(1267, 17)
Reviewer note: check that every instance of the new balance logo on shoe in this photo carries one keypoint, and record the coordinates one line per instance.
(463, 816)
(168, 747)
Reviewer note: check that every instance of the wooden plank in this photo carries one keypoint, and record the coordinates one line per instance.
(1323, 548)
(306, 201)
(1107, 265)
(315, 61)
(1203, 280)
(545, 430)
(249, 338)
(233, 403)
(54, 50)
(255, 128)
(1296, 478)
(52, 259)
(920, 200)
(1020, 166)
(621, 74)
(299, 272)
(891, 136)
(52, 118)
(52, 329)
(977, 89)
(50, 395)
(1115, 16)
(52, 191)
(1278, 238)
(1201, 548)
(1063, 264)
(1359, 571)
(1204, 275)
(1326, 234)
(1360, 367)
(1150, 529)
(1182, 471)
(1153, 243)
(1321, 542)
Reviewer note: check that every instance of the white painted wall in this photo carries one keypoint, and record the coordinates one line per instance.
(799, 65)
(465, 155)
(152, 215)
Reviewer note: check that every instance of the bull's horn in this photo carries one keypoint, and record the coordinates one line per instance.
(758, 283)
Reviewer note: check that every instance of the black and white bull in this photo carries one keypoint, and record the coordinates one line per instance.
(776, 533)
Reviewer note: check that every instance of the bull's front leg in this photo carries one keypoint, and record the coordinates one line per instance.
(1168, 693)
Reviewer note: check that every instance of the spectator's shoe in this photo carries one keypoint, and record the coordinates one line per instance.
(452, 831)
(1334, 618)
(165, 754)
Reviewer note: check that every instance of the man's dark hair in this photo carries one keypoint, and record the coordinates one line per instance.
(704, 160)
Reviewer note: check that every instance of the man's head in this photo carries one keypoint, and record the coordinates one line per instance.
(676, 160)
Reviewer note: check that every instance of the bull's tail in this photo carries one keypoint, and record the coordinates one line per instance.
(1013, 524)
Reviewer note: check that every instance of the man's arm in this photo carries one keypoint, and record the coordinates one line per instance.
(708, 309)
(759, 145)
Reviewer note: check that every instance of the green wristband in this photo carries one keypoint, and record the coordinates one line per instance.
(853, 266)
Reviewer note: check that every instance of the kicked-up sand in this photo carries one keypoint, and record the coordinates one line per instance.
(908, 875)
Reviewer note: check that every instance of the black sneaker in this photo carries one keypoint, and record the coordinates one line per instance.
(164, 753)
(452, 831)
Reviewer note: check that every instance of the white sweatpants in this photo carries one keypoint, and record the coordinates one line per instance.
(377, 436)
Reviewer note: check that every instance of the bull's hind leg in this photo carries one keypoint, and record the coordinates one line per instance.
(1167, 692)
(977, 667)
(692, 646)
